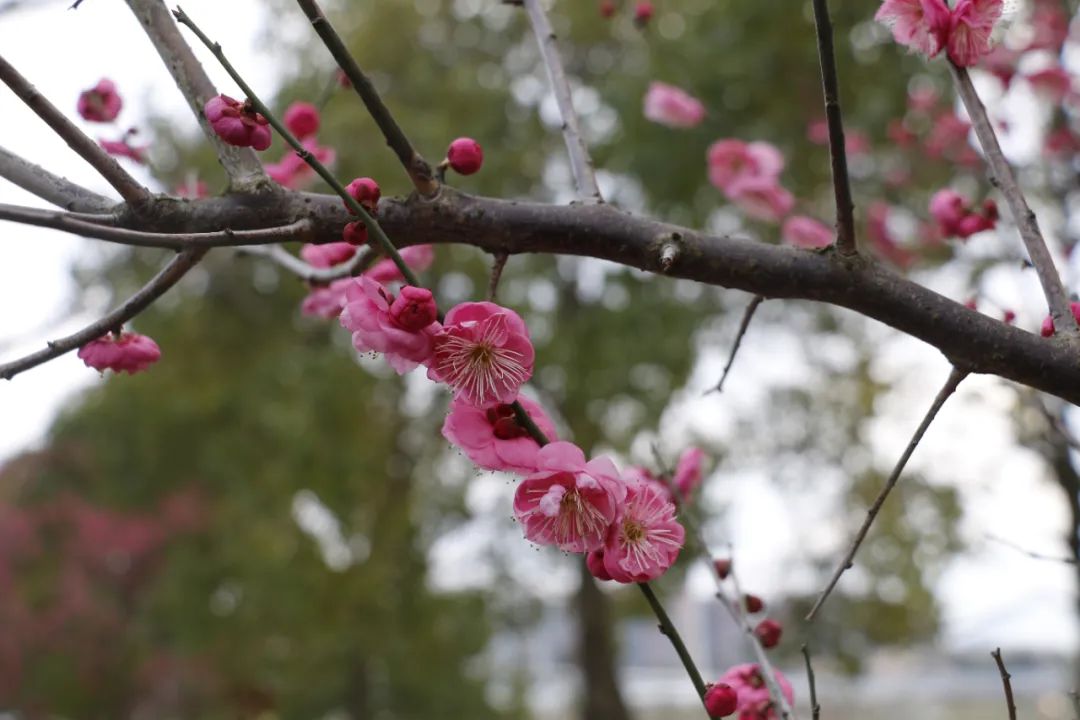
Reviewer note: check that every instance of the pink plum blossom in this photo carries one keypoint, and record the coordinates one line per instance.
(237, 123)
(956, 218)
(326, 301)
(465, 156)
(492, 438)
(922, 25)
(734, 162)
(1053, 83)
(594, 560)
(672, 106)
(754, 702)
(645, 538)
(417, 257)
(762, 198)
(969, 30)
(392, 326)
(1049, 26)
(122, 148)
(1048, 328)
(881, 238)
(100, 103)
(688, 469)
(483, 352)
(567, 502)
(327, 254)
(128, 352)
(302, 119)
(806, 232)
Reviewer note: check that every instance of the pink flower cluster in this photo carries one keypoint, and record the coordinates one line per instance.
(291, 171)
(672, 106)
(930, 26)
(328, 300)
(126, 352)
(749, 175)
(237, 123)
(955, 216)
(752, 694)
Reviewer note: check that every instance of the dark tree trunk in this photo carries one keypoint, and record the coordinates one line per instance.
(596, 653)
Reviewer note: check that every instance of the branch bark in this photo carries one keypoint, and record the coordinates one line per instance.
(129, 189)
(52, 188)
(241, 164)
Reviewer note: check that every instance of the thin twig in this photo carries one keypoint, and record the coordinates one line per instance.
(815, 708)
(1031, 553)
(52, 188)
(90, 151)
(241, 164)
(1003, 178)
(580, 163)
(497, 266)
(744, 325)
(91, 226)
(319, 276)
(668, 629)
(1074, 697)
(169, 276)
(845, 211)
(350, 202)
(955, 377)
(418, 169)
(1006, 683)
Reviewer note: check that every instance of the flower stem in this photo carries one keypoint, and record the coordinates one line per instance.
(668, 629)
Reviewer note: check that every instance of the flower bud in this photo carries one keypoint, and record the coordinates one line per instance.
(721, 700)
(355, 233)
(768, 633)
(643, 13)
(414, 308)
(722, 567)
(237, 123)
(366, 192)
(607, 8)
(465, 156)
(100, 103)
(302, 119)
(753, 603)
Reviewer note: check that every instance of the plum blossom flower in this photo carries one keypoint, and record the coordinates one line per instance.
(492, 438)
(645, 538)
(567, 502)
(465, 156)
(1048, 322)
(327, 254)
(293, 173)
(806, 232)
(326, 301)
(956, 218)
(687, 475)
(402, 328)
(763, 199)
(672, 106)
(929, 26)
(1053, 83)
(594, 560)
(969, 30)
(237, 123)
(417, 257)
(483, 352)
(302, 119)
(100, 103)
(754, 702)
(734, 162)
(127, 352)
(123, 148)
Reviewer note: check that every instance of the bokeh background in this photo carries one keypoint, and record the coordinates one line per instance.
(266, 526)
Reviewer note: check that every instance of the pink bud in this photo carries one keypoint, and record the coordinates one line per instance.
(302, 119)
(355, 233)
(1048, 322)
(723, 567)
(753, 603)
(595, 562)
(1008, 317)
(237, 123)
(643, 13)
(768, 632)
(100, 103)
(127, 352)
(414, 308)
(465, 156)
(721, 700)
(366, 192)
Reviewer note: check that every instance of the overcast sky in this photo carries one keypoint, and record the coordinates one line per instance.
(994, 595)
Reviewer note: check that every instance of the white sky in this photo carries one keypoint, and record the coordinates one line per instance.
(994, 595)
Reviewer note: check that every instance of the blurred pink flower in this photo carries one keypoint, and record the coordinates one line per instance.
(327, 254)
(922, 25)
(100, 103)
(1053, 83)
(1048, 328)
(492, 438)
(483, 352)
(129, 352)
(672, 106)
(122, 148)
(645, 539)
(293, 172)
(367, 314)
(970, 28)
(688, 469)
(237, 123)
(806, 232)
(326, 301)
(762, 198)
(955, 216)
(754, 700)
(417, 257)
(733, 163)
(567, 502)
(302, 119)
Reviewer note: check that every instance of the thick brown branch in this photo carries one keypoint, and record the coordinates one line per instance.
(90, 151)
(1003, 178)
(580, 163)
(418, 169)
(845, 210)
(955, 377)
(241, 164)
(967, 338)
(51, 188)
(169, 276)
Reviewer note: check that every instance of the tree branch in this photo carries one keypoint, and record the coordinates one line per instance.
(169, 276)
(51, 188)
(1006, 683)
(955, 377)
(845, 210)
(129, 189)
(668, 629)
(580, 163)
(1003, 178)
(815, 709)
(1031, 553)
(744, 325)
(417, 168)
(241, 164)
(281, 257)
